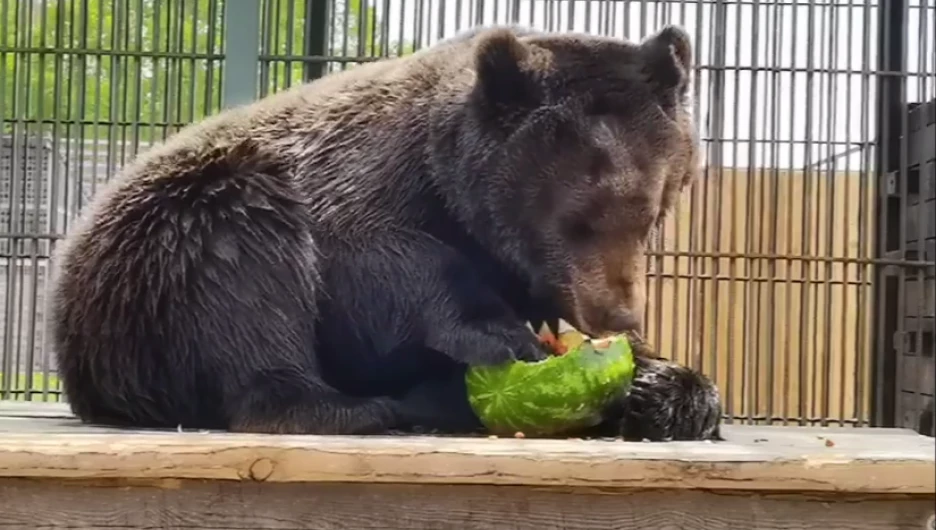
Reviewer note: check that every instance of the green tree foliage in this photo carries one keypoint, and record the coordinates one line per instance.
(137, 70)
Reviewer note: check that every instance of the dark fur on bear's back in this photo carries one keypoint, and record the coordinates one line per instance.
(301, 264)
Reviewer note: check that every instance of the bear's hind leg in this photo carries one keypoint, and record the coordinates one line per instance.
(192, 300)
(271, 316)
(289, 401)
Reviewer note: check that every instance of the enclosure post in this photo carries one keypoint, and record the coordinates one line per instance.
(890, 106)
(241, 52)
(316, 38)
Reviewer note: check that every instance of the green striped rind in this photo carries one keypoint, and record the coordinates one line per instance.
(552, 396)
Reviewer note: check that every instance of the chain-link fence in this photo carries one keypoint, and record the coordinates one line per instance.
(798, 272)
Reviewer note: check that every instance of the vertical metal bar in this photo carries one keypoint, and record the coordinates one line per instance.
(56, 186)
(696, 234)
(791, 266)
(931, 38)
(125, 73)
(832, 28)
(716, 159)
(215, 38)
(193, 63)
(20, 211)
(820, 182)
(267, 46)
(113, 88)
(588, 16)
(806, 412)
(10, 370)
(241, 54)
(157, 34)
(890, 105)
(41, 180)
(733, 227)
(712, 189)
(927, 80)
(362, 28)
(440, 31)
(903, 190)
(772, 290)
(751, 314)
(286, 46)
(373, 31)
(848, 171)
(138, 78)
(677, 277)
(923, 275)
(403, 25)
(570, 15)
(417, 24)
(5, 185)
(20, 200)
(814, 171)
(193, 41)
(168, 99)
(385, 29)
(864, 249)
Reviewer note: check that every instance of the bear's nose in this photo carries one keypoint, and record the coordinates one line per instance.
(610, 321)
(621, 320)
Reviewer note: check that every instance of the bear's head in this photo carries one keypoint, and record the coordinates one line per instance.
(568, 151)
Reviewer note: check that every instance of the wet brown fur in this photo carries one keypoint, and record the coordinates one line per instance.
(299, 265)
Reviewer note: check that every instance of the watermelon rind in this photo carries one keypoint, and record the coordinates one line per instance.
(553, 396)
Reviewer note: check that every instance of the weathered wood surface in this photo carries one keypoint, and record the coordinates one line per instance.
(45, 442)
(28, 504)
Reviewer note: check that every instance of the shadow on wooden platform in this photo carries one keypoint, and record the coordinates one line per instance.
(57, 473)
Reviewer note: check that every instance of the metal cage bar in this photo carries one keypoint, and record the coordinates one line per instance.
(789, 273)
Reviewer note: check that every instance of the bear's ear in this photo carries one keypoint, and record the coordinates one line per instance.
(668, 59)
(499, 63)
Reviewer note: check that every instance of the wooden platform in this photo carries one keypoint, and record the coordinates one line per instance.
(57, 473)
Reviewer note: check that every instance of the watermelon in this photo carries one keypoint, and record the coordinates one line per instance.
(557, 395)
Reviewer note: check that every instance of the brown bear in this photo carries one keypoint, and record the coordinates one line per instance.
(314, 261)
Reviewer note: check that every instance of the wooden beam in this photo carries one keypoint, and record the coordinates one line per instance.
(239, 505)
(753, 458)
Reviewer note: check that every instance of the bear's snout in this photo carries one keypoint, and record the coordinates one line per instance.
(602, 310)
(603, 320)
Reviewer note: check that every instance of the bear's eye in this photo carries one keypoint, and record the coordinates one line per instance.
(600, 106)
(580, 230)
(600, 164)
(608, 104)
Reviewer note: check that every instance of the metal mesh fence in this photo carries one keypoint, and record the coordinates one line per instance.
(788, 273)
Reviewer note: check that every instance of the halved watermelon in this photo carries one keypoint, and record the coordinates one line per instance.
(554, 396)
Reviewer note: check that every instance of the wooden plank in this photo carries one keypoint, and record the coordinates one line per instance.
(798, 348)
(755, 458)
(201, 505)
(34, 409)
(22, 416)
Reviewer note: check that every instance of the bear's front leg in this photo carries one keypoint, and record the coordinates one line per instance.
(409, 293)
(470, 323)
(462, 316)
(486, 342)
(666, 401)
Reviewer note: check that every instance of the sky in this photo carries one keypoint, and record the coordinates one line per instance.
(797, 78)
